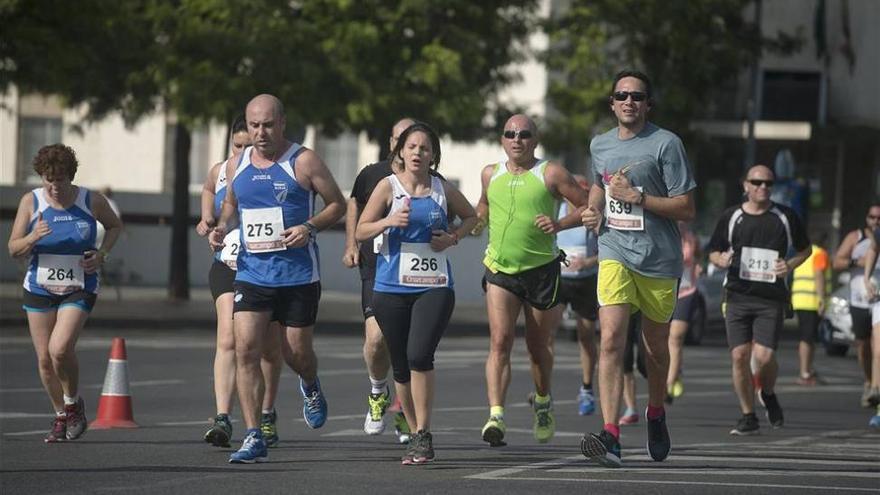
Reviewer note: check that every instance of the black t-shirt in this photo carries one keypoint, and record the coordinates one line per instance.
(779, 229)
(364, 184)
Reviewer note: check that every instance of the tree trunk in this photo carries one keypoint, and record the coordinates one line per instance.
(178, 279)
(383, 136)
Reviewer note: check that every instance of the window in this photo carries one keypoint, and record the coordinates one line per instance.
(33, 134)
(340, 154)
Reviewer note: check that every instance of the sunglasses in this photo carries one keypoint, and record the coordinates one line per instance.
(873, 217)
(636, 95)
(759, 182)
(523, 134)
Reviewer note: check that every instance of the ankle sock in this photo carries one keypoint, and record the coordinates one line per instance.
(69, 401)
(655, 412)
(497, 411)
(377, 386)
(613, 429)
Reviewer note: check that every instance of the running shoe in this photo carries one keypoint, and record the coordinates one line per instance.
(401, 428)
(747, 425)
(407, 458)
(314, 405)
(268, 428)
(545, 425)
(874, 397)
(493, 431)
(76, 419)
(58, 433)
(423, 453)
(809, 380)
(677, 389)
(602, 448)
(874, 422)
(659, 444)
(253, 449)
(774, 410)
(866, 395)
(630, 417)
(220, 431)
(586, 402)
(374, 423)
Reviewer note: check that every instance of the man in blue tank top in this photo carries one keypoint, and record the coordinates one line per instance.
(272, 186)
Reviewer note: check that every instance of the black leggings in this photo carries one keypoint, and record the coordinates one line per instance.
(412, 325)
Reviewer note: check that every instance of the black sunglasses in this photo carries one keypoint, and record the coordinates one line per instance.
(523, 134)
(758, 182)
(636, 95)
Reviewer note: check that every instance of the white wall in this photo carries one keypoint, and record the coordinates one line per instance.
(8, 136)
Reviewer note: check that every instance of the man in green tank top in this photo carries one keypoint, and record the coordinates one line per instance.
(519, 200)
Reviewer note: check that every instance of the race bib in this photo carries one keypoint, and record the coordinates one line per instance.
(229, 254)
(621, 215)
(262, 229)
(420, 266)
(756, 264)
(571, 254)
(60, 273)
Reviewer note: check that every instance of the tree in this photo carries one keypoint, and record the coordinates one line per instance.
(339, 64)
(693, 51)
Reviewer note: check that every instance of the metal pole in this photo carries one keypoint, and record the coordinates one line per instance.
(754, 100)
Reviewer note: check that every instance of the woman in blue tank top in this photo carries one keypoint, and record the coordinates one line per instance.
(408, 214)
(55, 228)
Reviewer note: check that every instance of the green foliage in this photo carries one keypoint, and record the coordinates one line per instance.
(693, 51)
(342, 64)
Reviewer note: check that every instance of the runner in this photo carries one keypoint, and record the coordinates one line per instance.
(55, 226)
(809, 288)
(642, 186)
(751, 241)
(519, 200)
(413, 297)
(684, 310)
(273, 190)
(362, 256)
(220, 278)
(850, 256)
(577, 288)
(871, 281)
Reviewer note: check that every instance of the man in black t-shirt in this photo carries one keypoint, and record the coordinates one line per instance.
(375, 351)
(759, 243)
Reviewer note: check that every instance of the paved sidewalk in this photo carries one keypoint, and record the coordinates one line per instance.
(149, 307)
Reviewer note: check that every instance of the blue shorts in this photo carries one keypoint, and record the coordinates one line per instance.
(36, 303)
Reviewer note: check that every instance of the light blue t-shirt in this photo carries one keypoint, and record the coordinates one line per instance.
(655, 160)
(577, 241)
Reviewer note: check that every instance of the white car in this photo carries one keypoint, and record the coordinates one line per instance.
(835, 328)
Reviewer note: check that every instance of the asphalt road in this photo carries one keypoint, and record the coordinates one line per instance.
(825, 445)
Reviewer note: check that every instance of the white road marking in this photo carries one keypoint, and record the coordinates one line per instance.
(141, 383)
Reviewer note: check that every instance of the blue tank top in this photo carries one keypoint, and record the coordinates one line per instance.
(577, 241)
(270, 200)
(406, 263)
(53, 267)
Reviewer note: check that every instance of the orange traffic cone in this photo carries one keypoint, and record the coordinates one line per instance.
(114, 408)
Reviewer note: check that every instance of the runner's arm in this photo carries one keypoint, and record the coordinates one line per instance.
(320, 180)
(842, 257)
(20, 241)
(207, 200)
(371, 222)
(562, 183)
(482, 208)
(351, 255)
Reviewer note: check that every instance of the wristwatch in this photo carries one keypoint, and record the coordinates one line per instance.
(312, 229)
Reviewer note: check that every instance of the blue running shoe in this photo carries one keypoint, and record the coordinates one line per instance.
(586, 402)
(314, 405)
(253, 449)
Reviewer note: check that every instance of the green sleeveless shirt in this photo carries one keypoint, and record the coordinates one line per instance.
(516, 244)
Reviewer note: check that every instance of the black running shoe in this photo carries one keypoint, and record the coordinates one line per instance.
(747, 425)
(774, 410)
(76, 419)
(411, 449)
(659, 444)
(602, 448)
(220, 431)
(424, 451)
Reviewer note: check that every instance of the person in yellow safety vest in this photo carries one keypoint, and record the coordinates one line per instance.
(811, 285)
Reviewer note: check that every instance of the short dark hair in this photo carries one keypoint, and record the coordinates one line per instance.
(239, 125)
(418, 127)
(636, 74)
(56, 160)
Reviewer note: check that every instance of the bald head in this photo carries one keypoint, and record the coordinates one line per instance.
(759, 172)
(398, 129)
(521, 121)
(266, 102)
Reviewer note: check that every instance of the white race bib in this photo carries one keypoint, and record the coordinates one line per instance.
(621, 215)
(262, 229)
(757, 264)
(420, 266)
(229, 254)
(60, 273)
(572, 253)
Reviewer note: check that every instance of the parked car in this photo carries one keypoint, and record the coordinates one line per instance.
(835, 327)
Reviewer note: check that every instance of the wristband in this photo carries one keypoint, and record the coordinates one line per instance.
(311, 228)
(641, 200)
(455, 238)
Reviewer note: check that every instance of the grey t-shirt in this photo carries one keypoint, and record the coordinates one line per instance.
(657, 163)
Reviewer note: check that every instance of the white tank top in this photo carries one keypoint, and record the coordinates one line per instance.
(858, 296)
